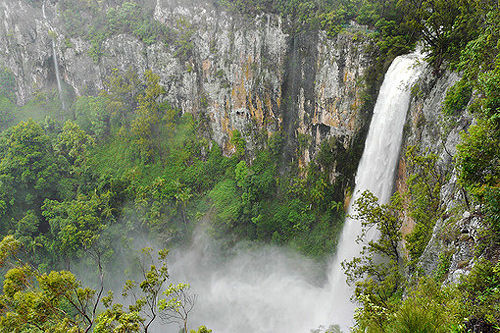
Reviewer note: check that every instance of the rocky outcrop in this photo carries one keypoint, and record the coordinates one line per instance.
(246, 74)
(451, 247)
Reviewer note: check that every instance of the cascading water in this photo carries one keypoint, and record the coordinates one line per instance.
(376, 168)
(271, 290)
(56, 63)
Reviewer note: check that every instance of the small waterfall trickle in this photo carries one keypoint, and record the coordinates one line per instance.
(376, 169)
(56, 63)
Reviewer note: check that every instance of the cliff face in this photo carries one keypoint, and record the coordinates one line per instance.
(451, 245)
(245, 74)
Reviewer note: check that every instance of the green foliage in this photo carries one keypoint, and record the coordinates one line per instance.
(7, 84)
(42, 106)
(151, 173)
(120, 92)
(154, 273)
(92, 115)
(492, 209)
(481, 294)
(177, 305)
(76, 224)
(53, 302)
(443, 266)
(29, 169)
(201, 329)
(378, 272)
(74, 144)
(117, 320)
(184, 35)
(9, 246)
(457, 98)
(96, 22)
(57, 301)
(226, 201)
(131, 164)
(428, 309)
(331, 16)
(7, 111)
(239, 143)
(445, 26)
(148, 115)
(424, 201)
(478, 157)
(132, 18)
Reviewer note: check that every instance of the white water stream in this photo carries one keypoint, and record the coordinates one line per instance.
(377, 167)
(56, 63)
(271, 290)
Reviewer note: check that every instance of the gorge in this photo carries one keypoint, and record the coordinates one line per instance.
(268, 290)
(231, 132)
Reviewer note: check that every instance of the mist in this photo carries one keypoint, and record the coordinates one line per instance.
(264, 289)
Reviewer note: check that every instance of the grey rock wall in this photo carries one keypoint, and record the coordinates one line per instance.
(455, 234)
(235, 73)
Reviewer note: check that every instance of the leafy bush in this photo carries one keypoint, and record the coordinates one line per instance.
(428, 309)
(481, 295)
(457, 98)
(478, 157)
(8, 85)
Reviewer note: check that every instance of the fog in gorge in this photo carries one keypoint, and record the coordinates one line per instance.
(256, 289)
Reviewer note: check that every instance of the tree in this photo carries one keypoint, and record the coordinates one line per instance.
(121, 91)
(76, 224)
(92, 114)
(30, 171)
(147, 302)
(478, 157)
(146, 298)
(445, 26)
(480, 295)
(148, 115)
(57, 301)
(423, 199)
(54, 301)
(378, 272)
(74, 144)
(182, 196)
(177, 305)
(428, 308)
(201, 329)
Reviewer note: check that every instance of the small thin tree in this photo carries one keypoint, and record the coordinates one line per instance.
(177, 305)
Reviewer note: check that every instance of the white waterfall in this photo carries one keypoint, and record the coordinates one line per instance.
(377, 167)
(56, 65)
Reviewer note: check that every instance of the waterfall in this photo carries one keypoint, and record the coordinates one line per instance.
(56, 65)
(376, 169)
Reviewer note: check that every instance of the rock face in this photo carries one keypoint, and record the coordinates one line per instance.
(246, 74)
(451, 246)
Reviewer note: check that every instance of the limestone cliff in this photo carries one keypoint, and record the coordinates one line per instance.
(246, 74)
(451, 245)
